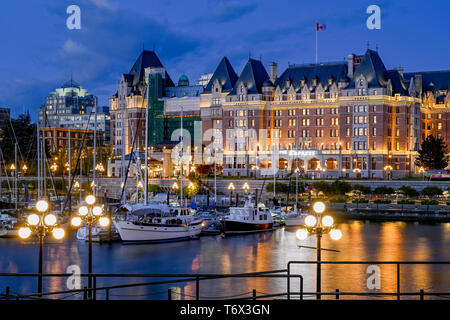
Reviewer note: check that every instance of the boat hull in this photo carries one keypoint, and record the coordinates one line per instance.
(239, 227)
(135, 233)
(293, 221)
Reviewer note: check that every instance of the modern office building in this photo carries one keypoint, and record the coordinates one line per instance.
(71, 106)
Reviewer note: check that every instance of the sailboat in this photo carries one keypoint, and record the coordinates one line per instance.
(157, 222)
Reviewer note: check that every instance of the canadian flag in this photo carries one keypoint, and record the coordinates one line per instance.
(320, 26)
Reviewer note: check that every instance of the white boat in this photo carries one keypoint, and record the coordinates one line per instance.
(153, 223)
(8, 226)
(294, 218)
(247, 219)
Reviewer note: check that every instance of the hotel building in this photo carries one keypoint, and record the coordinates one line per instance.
(343, 119)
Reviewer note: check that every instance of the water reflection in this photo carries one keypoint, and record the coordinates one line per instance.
(246, 253)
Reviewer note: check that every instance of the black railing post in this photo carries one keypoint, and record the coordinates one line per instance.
(254, 294)
(197, 288)
(398, 281)
(421, 294)
(301, 287)
(107, 294)
(7, 293)
(337, 294)
(169, 294)
(94, 294)
(288, 283)
(85, 293)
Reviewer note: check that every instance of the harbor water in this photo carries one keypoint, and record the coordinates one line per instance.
(361, 241)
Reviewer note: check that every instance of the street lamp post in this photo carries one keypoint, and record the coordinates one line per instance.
(357, 171)
(41, 224)
(388, 170)
(318, 226)
(245, 187)
(231, 188)
(422, 171)
(90, 214)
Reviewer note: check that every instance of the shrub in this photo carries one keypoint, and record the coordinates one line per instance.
(338, 200)
(323, 186)
(409, 191)
(430, 202)
(405, 201)
(154, 188)
(360, 201)
(279, 187)
(432, 191)
(384, 190)
(340, 187)
(364, 189)
(382, 201)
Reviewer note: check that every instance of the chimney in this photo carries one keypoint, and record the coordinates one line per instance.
(418, 83)
(273, 67)
(350, 65)
(400, 70)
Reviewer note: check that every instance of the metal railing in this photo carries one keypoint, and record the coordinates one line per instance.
(421, 293)
(92, 293)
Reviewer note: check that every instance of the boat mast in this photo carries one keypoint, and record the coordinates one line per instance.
(38, 151)
(146, 143)
(215, 176)
(94, 188)
(181, 158)
(273, 166)
(70, 173)
(15, 175)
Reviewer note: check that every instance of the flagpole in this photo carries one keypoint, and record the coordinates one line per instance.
(317, 42)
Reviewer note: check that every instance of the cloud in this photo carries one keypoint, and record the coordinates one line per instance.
(223, 11)
(71, 47)
(105, 4)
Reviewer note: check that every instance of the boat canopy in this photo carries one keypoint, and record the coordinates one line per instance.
(149, 209)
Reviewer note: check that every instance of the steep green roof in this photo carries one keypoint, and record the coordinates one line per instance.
(147, 59)
(373, 70)
(253, 76)
(225, 74)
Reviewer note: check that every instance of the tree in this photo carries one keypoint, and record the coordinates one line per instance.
(432, 153)
(323, 186)
(340, 187)
(384, 190)
(364, 189)
(25, 132)
(431, 191)
(409, 191)
(279, 187)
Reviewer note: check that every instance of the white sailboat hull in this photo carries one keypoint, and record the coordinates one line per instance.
(130, 232)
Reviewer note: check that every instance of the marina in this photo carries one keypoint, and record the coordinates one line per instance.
(256, 252)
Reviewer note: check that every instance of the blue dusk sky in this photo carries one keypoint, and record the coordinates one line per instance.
(38, 53)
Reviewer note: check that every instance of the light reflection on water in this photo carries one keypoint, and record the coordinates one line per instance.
(247, 253)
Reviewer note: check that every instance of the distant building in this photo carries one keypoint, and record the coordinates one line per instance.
(73, 107)
(5, 115)
(58, 138)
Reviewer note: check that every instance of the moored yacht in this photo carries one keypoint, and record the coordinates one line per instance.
(294, 218)
(158, 223)
(247, 219)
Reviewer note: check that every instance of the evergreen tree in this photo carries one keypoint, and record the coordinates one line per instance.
(432, 153)
(25, 132)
